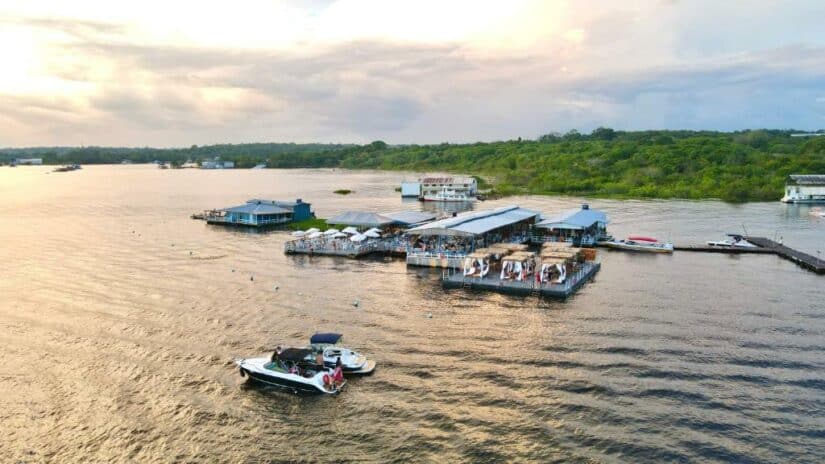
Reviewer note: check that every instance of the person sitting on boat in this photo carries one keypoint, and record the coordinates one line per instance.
(338, 372)
(276, 354)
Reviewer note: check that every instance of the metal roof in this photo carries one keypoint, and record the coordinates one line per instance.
(808, 179)
(281, 203)
(410, 217)
(258, 208)
(476, 223)
(360, 218)
(574, 219)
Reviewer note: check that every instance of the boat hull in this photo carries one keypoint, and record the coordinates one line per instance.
(288, 382)
(639, 248)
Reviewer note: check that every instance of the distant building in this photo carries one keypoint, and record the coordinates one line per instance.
(29, 161)
(432, 188)
(217, 164)
(258, 213)
(805, 188)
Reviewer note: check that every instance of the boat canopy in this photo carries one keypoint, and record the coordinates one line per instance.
(294, 354)
(321, 338)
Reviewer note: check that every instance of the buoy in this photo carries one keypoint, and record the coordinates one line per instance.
(355, 303)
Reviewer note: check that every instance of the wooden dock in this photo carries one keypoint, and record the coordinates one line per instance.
(802, 259)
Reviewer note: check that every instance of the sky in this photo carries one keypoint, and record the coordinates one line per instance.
(176, 73)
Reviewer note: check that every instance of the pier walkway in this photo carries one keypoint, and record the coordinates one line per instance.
(803, 259)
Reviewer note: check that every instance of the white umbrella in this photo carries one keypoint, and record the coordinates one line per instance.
(331, 232)
(315, 234)
(358, 238)
(339, 235)
(374, 229)
(312, 231)
(372, 234)
(350, 230)
(298, 233)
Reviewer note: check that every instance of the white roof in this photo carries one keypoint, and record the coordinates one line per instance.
(476, 222)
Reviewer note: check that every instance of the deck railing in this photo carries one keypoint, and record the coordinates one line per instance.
(530, 283)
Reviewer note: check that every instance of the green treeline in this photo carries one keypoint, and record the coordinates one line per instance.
(736, 167)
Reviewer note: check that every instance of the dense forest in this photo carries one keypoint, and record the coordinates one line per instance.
(733, 166)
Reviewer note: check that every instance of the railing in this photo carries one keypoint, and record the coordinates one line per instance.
(570, 281)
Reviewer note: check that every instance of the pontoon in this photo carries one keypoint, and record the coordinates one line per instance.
(352, 362)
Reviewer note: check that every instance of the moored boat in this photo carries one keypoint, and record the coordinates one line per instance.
(290, 370)
(352, 362)
(641, 243)
(734, 241)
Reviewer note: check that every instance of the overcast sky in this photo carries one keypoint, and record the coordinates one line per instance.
(174, 73)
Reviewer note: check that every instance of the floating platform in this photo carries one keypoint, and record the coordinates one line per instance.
(528, 287)
(802, 259)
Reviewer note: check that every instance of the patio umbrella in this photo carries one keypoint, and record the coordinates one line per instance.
(298, 233)
(315, 235)
(339, 235)
(350, 230)
(374, 229)
(312, 230)
(358, 238)
(372, 234)
(331, 232)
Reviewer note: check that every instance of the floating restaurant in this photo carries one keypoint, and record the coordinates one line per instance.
(445, 243)
(582, 227)
(261, 213)
(805, 188)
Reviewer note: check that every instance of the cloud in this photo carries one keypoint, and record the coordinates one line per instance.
(630, 67)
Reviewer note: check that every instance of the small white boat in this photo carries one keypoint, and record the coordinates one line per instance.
(352, 362)
(448, 195)
(291, 371)
(734, 241)
(641, 243)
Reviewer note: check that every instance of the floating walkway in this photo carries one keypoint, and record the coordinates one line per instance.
(803, 259)
(526, 287)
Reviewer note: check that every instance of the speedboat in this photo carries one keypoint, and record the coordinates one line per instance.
(290, 370)
(641, 243)
(735, 241)
(352, 362)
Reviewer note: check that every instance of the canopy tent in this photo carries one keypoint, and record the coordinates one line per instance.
(557, 245)
(360, 219)
(477, 264)
(350, 230)
(518, 265)
(298, 233)
(375, 229)
(315, 234)
(372, 234)
(294, 354)
(325, 338)
(476, 223)
(312, 230)
(553, 270)
(358, 238)
(339, 235)
(331, 232)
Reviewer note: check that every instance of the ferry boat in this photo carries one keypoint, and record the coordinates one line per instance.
(735, 241)
(641, 243)
(352, 362)
(448, 195)
(289, 370)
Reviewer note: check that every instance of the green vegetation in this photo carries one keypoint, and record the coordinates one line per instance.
(343, 191)
(308, 224)
(737, 166)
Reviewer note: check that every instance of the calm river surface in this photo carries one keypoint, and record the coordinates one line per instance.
(116, 341)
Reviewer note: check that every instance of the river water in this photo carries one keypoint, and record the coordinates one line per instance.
(120, 316)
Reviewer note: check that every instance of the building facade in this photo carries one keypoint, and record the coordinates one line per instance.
(805, 188)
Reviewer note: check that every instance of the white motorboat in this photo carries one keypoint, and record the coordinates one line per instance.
(352, 362)
(290, 370)
(448, 195)
(641, 243)
(734, 241)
